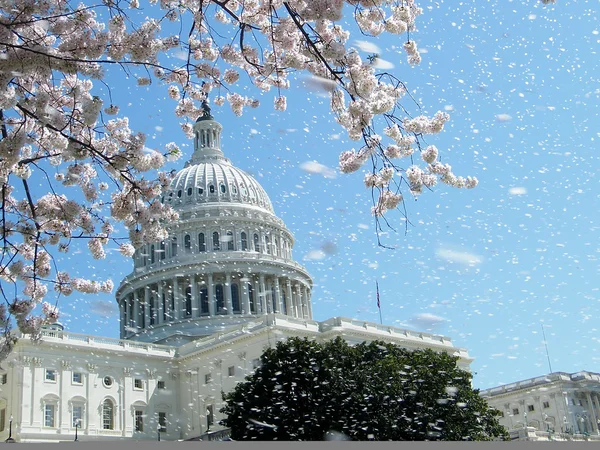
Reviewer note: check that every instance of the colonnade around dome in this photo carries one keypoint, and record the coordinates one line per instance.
(211, 295)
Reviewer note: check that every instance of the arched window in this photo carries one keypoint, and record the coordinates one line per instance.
(179, 192)
(204, 301)
(229, 240)
(108, 415)
(216, 242)
(188, 301)
(244, 239)
(201, 242)
(152, 254)
(268, 245)
(189, 191)
(211, 188)
(256, 243)
(220, 299)
(200, 190)
(275, 247)
(162, 250)
(235, 298)
(187, 243)
(251, 298)
(174, 246)
(223, 188)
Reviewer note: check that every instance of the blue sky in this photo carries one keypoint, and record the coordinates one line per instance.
(486, 267)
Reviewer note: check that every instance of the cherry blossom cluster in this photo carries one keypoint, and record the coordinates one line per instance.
(59, 153)
(311, 36)
(60, 134)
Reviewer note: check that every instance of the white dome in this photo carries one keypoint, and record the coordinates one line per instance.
(227, 260)
(215, 182)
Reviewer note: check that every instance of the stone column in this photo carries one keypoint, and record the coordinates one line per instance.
(227, 289)
(136, 310)
(277, 296)
(289, 300)
(146, 306)
(211, 295)
(64, 418)
(262, 294)
(299, 301)
(123, 317)
(309, 304)
(593, 414)
(257, 302)
(269, 295)
(161, 311)
(177, 299)
(195, 298)
(245, 297)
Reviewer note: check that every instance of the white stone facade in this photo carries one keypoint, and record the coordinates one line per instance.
(196, 313)
(559, 404)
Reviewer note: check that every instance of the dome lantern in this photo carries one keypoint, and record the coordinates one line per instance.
(207, 137)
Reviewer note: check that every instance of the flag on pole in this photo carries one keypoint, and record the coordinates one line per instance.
(379, 303)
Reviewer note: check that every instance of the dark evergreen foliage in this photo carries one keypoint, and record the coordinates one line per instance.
(306, 390)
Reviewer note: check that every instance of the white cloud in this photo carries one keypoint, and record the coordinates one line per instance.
(503, 118)
(427, 321)
(367, 46)
(314, 255)
(518, 190)
(318, 168)
(382, 64)
(458, 256)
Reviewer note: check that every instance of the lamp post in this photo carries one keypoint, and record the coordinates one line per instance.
(77, 422)
(10, 438)
(158, 431)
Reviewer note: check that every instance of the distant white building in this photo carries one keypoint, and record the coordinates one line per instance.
(196, 313)
(555, 406)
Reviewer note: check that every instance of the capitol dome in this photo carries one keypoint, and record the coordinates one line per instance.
(228, 258)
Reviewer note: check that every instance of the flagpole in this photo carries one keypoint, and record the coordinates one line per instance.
(379, 303)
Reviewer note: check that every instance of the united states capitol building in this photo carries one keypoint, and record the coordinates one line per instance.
(196, 313)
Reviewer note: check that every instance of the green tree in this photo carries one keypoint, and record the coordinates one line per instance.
(305, 389)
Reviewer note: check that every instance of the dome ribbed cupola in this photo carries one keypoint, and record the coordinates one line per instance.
(228, 258)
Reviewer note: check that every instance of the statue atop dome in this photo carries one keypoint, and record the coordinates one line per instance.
(206, 115)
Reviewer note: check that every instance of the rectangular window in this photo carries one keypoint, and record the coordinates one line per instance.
(139, 420)
(3, 378)
(138, 384)
(77, 378)
(49, 415)
(546, 405)
(51, 375)
(208, 378)
(77, 415)
(231, 371)
(162, 421)
(160, 384)
(530, 408)
(2, 419)
(515, 411)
